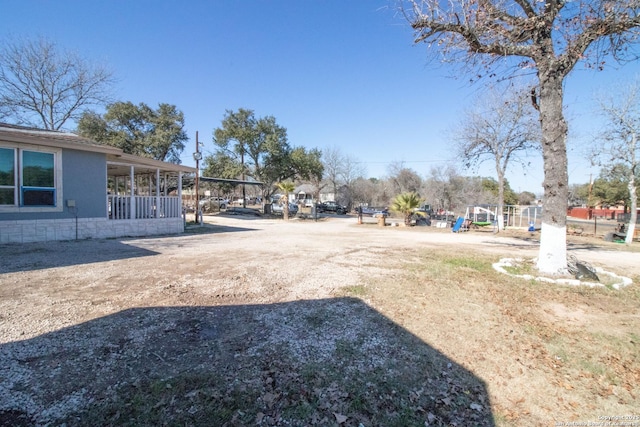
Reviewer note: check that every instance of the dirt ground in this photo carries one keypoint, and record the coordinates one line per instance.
(80, 321)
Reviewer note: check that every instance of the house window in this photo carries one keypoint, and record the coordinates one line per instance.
(7, 176)
(28, 178)
(38, 182)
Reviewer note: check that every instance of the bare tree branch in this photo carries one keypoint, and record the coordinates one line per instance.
(43, 87)
(550, 37)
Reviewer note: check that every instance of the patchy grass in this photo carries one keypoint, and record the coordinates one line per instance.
(355, 290)
(550, 353)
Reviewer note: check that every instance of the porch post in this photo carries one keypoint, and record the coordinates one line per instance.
(158, 193)
(166, 184)
(132, 212)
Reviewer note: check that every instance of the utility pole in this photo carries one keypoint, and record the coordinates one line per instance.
(244, 191)
(197, 156)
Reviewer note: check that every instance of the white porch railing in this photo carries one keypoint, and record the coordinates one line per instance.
(139, 207)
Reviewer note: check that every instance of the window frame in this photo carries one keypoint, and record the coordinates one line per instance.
(24, 189)
(19, 188)
(15, 185)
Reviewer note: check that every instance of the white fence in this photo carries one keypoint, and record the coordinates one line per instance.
(143, 207)
(514, 216)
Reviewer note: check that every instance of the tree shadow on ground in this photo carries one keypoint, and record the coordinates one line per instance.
(319, 362)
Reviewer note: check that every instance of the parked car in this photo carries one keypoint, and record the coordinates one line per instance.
(381, 213)
(374, 212)
(211, 203)
(331, 207)
(278, 209)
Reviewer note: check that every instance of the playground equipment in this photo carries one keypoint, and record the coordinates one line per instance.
(461, 224)
(512, 215)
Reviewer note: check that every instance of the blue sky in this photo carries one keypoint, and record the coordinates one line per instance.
(335, 73)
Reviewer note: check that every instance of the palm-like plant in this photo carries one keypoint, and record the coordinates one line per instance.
(405, 204)
(286, 187)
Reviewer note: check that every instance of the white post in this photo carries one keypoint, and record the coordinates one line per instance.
(158, 193)
(132, 211)
(180, 195)
(166, 184)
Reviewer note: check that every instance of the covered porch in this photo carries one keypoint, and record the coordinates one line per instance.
(143, 189)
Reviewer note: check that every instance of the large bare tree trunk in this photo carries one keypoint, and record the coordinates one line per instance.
(552, 257)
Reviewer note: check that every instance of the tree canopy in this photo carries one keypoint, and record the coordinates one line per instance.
(258, 148)
(509, 197)
(611, 188)
(44, 87)
(138, 129)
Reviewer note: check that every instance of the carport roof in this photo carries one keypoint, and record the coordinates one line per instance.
(119, 165)
(229, 181)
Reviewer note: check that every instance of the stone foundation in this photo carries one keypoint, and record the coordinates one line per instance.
(86, 228)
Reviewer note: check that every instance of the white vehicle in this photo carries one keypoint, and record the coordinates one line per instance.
(213, 203)
(278, 209)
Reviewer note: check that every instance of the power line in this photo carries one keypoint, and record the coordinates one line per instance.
(406, 161)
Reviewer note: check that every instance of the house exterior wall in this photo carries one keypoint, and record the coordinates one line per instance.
(84, 180)
(42, 230)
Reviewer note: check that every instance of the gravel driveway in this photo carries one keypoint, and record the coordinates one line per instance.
(48, 365)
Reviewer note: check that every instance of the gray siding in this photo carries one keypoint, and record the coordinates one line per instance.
(85, 181)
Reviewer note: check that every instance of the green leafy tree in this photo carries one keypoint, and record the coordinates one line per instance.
(546, 38)
(405, 204)
(287, 187)
(307, 164)
(310, 167)
(45, 87)
(261, 148)
(138, 129)
(509, 197)
(611, 188)
(222, 165)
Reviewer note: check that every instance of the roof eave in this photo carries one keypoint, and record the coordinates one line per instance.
(56, 142)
